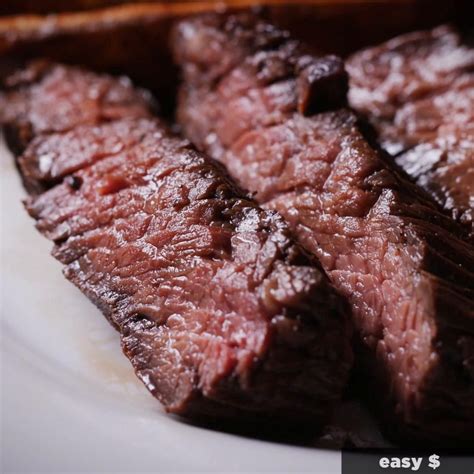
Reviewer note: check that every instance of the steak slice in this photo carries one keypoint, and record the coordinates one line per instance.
(444, 166)
(46, 97)
(406, 68)
(49, 158)
(426, 119)
(221, 314)
(418, 92)
(383, 243)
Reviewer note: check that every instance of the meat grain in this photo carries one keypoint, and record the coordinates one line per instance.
(418, 92)
(383, 242)
(48, 97)
(221, 314)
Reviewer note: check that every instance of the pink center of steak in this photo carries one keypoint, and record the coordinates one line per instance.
(418, 92)
(201, 283)
(385, 246)
(220, 312)
(45, 97)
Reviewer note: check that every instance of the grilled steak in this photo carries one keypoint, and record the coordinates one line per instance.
(382, 241)
(219, 311)
(418, 91)
(405, 69)
(444, 167)
(47, 97)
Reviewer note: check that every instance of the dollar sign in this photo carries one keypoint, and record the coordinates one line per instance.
(434, 461)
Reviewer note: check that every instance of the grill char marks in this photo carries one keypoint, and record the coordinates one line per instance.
(221, 314)
(418, 91)
(274, 73)
(383, 243)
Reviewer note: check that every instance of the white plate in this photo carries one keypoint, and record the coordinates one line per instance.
(70, 400)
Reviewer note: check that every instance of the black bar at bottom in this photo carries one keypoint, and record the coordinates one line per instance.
(409, 461)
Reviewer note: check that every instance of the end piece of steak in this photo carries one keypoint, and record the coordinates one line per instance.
(382, 241)
(221, 314)
(418, 92)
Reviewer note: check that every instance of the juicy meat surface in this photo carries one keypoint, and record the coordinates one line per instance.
(406, 68)
(49, 158)
(382, 241)
(221, 314)
(47, 97)
(444, 166)
(426, 119)
(418, 92)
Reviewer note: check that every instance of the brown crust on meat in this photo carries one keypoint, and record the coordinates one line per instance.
(221, 314)
(418, 92)
(132, 39)
(383, 242)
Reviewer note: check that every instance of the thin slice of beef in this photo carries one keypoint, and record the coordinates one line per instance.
(221, 314)
(47, 97)
(444, 166)
(426, 119)
(382, 241)
(49, 158)
(418, 92)
(407, 68)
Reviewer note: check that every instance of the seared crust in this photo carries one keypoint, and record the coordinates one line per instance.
(221, 314)
(418, 91)
(132, 39)
(405, 267)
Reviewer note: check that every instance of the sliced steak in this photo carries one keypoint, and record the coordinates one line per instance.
(221, 314)
(46, 97)
(382, 241)
(418, 92)
(407, 68)
(49, 158)
(426, 119)
(444, 166)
